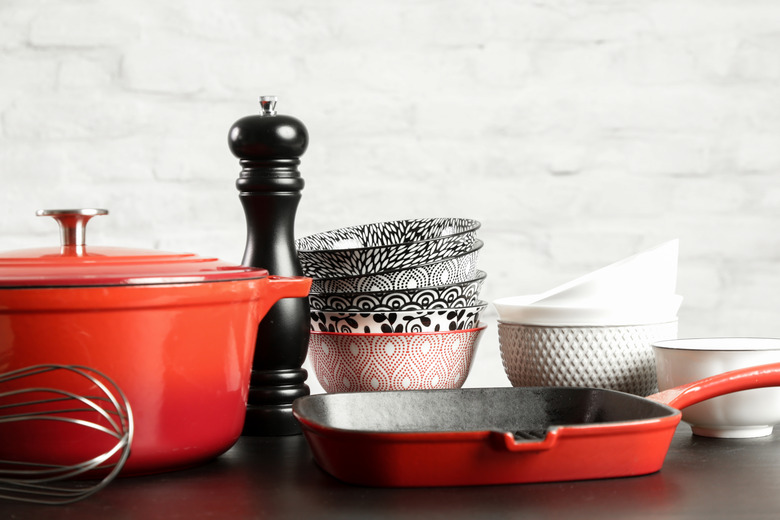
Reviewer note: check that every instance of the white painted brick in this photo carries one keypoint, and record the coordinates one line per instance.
(578, 248)
(734, 321)
(524, 23)
(758, 152)
(88, 72)
(700, 282)
(756, 58)
(700, 196)
(501, 64)
(755, 287)
(415, 23)
(667, 154)
(657, 61)
(693, 19)
(599, 24)
(55, 116)
(766, 196)
(755, 111)
(78, 24)
(15, 18)
(24, 74)
(170, 67)
(628, 109)
(714, 56)
(738, 237)
(517, 262)
(565, 61)
(577, 132)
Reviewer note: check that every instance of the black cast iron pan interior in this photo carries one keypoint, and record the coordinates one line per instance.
(527, 411)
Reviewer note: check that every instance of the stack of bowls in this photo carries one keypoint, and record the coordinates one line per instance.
(597, 330)
(394, 305)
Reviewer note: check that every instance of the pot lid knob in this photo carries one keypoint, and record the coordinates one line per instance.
(72, 222)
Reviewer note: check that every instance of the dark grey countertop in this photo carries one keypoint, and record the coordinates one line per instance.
(276, 477)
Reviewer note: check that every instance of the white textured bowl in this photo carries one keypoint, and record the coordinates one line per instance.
(618, 358)
(750, 413)
(375, 362)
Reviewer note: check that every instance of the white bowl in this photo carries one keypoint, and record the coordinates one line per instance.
(376, 362)
(617, 358)
(649, 274)
(524, 310)
(750, 413)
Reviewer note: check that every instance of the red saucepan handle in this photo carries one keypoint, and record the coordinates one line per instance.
(734, 381)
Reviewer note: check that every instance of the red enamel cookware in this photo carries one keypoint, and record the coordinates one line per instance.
(502, 435)
(176, 332)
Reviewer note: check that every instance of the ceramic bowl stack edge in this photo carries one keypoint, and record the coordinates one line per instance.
(384, 246)
(455, 269)
(462, 294)
(396, 284)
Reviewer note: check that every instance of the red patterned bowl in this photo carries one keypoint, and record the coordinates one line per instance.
(375, 362)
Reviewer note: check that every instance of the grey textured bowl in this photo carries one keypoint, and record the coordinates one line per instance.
(462, 294)
(614, 357)
(384, 246)
(453, 270)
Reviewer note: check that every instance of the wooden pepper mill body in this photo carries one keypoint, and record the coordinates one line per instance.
(269, 146)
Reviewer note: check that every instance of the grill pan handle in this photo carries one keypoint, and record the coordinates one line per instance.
(520, 443)
(728, 382)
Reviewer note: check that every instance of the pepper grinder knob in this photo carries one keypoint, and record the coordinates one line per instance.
(268, 105)
(268, 146)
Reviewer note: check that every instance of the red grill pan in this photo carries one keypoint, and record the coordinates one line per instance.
(479, 436)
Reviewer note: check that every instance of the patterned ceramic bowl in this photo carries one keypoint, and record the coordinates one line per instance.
(374, 362)
(384, 246)
(614, 357)
(443, 297)
(426, 320)
(453, 270)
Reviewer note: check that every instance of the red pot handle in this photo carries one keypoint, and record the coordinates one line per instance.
(714, 386)
(278, 287)
(290, 286)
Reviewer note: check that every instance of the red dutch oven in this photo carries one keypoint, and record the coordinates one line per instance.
(176, 332)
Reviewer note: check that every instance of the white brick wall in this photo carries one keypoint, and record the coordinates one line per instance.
(577, 132)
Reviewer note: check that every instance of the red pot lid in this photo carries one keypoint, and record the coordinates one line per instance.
(73, 264)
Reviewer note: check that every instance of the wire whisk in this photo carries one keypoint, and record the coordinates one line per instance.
(65, 431)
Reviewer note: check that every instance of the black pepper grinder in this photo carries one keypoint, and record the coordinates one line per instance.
(269, 146)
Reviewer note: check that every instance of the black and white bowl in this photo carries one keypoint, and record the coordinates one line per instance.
(393, 322)
(454, 270)
(462, 294)
(384, 246)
